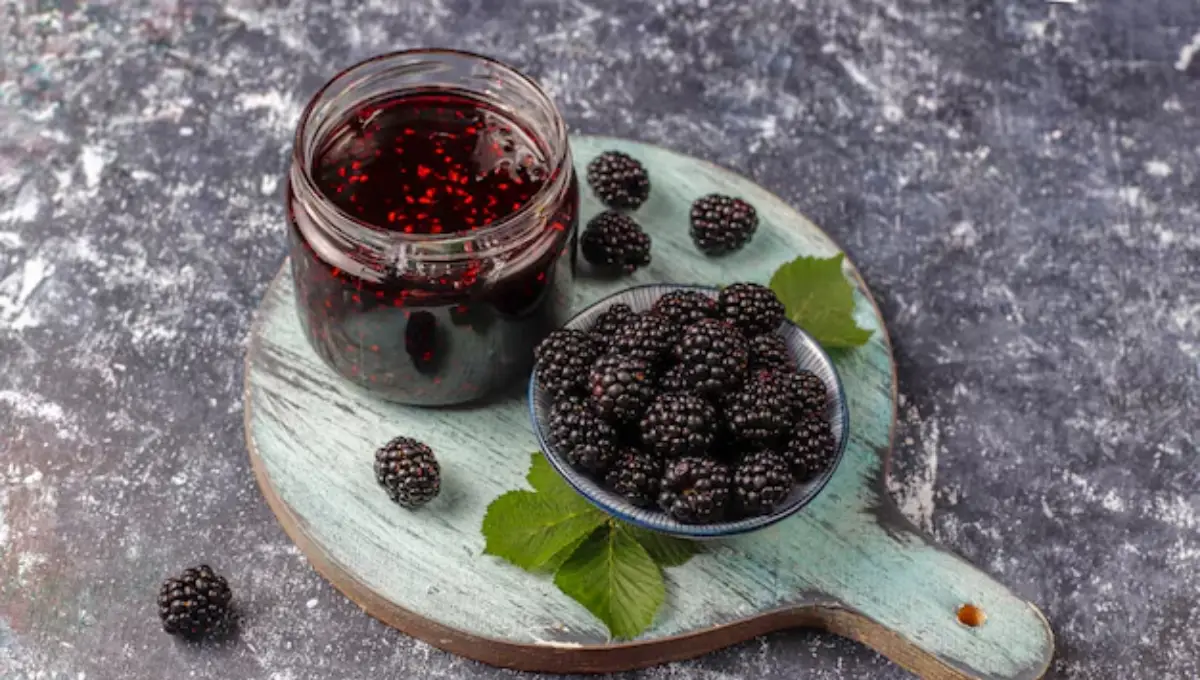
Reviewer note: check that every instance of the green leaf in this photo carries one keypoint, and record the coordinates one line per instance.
(820, 300)
(614, 577)
(563, 555)
(529, 529)
(667, 551)
(542, 476)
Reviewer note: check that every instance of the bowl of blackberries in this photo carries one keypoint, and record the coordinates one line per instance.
(694, 411)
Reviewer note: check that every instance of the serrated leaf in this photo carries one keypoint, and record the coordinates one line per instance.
(542, 476)
(667, 551)
(820, 300)
(529, 529)
(613, 576)
(563, 555)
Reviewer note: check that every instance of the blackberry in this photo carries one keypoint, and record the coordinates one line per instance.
(195, 603)
(615, 242)
(809, 452)
(649, 337)
(770, 352)
(754, 309)
(672, 380)
(621, 387)
(722, 224)
(810, 394)
(695, 490)
(761, 482)
(636, 476)
(609, 321)
(408, 470)
(679, 425)
(563, 359)
(685, 307)
(619, 180)
(760, 411)
(712, 356)
(581, 436)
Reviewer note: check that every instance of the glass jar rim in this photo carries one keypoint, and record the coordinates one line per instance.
(557, 148)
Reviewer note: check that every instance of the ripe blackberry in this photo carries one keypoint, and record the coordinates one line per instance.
(770, 352)
(685, 307)
(760, 411)
(809, 452)
(695, 490)
(621, 387)
(754, 309)
(649, 337)
(607, 324)
(672, 380)
(761, 482)
(581, 436)
(195, 603)
(722, 224)
(619, 180)
(614, 241)
(679, 425)
(810, 394)
(408, 470)
(563, 359)
(637, 476)
(712, 356)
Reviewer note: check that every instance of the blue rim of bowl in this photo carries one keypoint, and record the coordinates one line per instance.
(621, 510)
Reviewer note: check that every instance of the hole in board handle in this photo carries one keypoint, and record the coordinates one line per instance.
(971, 616)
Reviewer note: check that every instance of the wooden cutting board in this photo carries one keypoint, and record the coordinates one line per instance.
(849, 562)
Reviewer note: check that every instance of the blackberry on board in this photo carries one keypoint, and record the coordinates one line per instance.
(621, 387)
(679, 425)
(685, 307)
(586, 440)
(619, 180)
(609, 321)
(760, 411)
(408, 471)
(762, 481)
(712, 356)
(769, 351)
(636, 476)
(722, 224)
(754, 309)
(695, 490)
(648, 336)
(614, 241)
(563, 360)
(810, 451)
(195, 603)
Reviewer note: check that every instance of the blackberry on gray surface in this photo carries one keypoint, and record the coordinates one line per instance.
(408, 471)
(637, 476)
(695, 490)
(760, 411)
(810, 394)
(619, 180)
(761, 482)
(685, 307)
(563, 360)
(679, 425)
(615, 242)
(647, 336)
(712, 356)
(621, 387)
(580, 435)
(754, 309)
(769, 351)
(722, 224)
(195, 603)
(809, 451)
(609, 321)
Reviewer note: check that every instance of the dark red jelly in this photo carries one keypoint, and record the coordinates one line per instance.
(432, 244)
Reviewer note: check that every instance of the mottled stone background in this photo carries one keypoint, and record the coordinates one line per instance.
(1016, 178)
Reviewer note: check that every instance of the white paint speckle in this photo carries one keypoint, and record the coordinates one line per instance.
(186, 131)
(1187, 53)
(179, 479)
(311, 604)
(10, 239)
(268, 184)
(964, 236)
(16, 290)
(32, 478)
(24, 207)
(92, 160)
(1157, 168)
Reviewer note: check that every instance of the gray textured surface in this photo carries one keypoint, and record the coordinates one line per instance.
(1017, 180)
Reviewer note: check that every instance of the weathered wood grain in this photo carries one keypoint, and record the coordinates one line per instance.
(848, 562)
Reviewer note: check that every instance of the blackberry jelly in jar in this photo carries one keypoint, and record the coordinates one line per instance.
(433, 212)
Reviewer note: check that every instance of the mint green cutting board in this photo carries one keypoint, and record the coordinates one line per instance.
(848, 563)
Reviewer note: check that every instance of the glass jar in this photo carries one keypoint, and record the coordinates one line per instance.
(433, 210)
